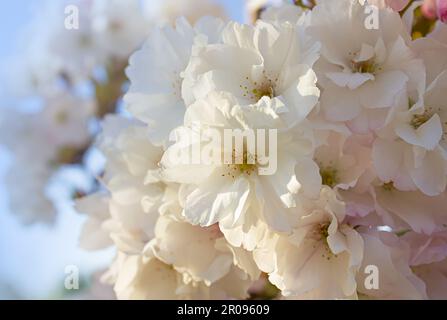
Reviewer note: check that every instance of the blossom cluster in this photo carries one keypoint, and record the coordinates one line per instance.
(360, 184)
(351, 93)
(68, 74)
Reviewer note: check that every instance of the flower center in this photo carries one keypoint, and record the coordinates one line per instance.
(389, 186)
(257, 90)
(368, 66)
(319, 234)
(247, 166)
(324, 230)
(329, 176)
(320, 231)
(419, 119)
(265, 90)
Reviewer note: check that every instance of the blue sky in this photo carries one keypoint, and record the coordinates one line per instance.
(32, 259)
(12, 16)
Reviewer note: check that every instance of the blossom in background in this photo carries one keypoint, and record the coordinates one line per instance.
(358, 182)
(193, 10)
(396, 5)
(43, 140)
(77, 76)
(118, 27)
(435, 9)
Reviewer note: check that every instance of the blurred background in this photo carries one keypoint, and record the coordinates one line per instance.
(33, 257)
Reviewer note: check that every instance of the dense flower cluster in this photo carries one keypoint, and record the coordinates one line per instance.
(345, 197)
(360, 115)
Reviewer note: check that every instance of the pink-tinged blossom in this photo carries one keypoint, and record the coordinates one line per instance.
(441, 10)
(397, 5)
(433, 9)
